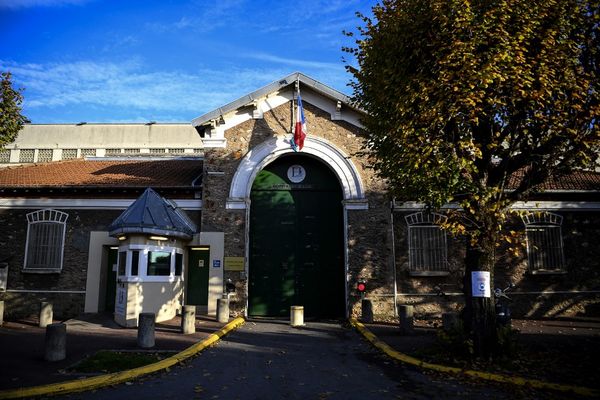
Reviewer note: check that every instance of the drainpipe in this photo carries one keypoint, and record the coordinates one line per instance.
(394, 258)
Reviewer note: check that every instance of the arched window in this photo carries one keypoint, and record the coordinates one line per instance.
(45, 241)
(427, 244)
(544, 242)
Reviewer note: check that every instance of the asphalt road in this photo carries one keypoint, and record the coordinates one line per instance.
(271, 360)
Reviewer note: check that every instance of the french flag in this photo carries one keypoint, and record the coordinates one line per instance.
(300, 129)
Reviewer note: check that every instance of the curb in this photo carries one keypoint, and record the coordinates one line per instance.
(534, 383)
(96, 382)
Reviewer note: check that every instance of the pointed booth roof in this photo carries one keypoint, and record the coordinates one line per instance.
(154, 215)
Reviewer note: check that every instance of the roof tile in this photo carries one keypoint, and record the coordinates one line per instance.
(101, 173)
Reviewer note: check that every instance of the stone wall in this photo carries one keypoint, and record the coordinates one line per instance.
(39, 287)
(369, 234)
(541, 295)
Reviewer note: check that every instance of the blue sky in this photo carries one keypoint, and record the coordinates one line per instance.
(165, 61)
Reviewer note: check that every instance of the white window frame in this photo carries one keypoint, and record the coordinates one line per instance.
(35, 220)
(550, 226)
(421, 260)
(142, 275)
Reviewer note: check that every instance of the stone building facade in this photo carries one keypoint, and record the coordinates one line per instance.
(291, 227)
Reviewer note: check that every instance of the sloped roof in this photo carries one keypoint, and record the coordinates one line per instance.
(153, 214)
(171, 173)
(575, 181)
(271, 88)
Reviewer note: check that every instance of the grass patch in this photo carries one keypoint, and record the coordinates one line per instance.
(114, 361)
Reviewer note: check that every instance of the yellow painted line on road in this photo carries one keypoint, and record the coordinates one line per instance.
(96, 382)
(534, 383)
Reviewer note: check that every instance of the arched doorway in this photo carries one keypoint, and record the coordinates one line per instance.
(296, 247)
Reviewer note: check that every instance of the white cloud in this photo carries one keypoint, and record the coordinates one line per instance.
(14, 4)
(131, 90)
(299, 64)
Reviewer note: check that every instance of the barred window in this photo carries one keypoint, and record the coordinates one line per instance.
(26, 155)
(69, 154)
(427, 244)
(544, 242)
(157, 151)
(176, 151)
(4, 156)
(112, 152)
(45, 240)
(88, 152)
(44, 155)
(131, 151)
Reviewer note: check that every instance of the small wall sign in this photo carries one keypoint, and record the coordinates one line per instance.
(234, 263)
(121, 300)
(216, 263)
(296, 173)
(480, 284)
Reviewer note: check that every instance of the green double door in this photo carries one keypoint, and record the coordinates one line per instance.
(296, 240)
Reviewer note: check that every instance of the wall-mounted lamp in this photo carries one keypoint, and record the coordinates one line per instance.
(123, 237)
(158, 238)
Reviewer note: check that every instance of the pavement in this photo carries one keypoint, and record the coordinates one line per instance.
(22, 361)
(270, 359)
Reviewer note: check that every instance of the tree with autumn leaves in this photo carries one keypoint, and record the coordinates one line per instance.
(11, 119)
(462, 96)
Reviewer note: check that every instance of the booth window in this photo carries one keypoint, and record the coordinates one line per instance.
(159, 263)
(427, 244)
(122, 263)
(135, 262)
(45, 241)
(178, 264)
(544, 242)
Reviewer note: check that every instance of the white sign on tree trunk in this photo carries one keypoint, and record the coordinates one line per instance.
(480, 284)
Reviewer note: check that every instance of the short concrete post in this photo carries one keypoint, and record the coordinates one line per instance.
(188, 320)
(145, 337)
(1, 312)
(297, 316)
(46, 314)
(223, 311)
(56, 342)
(367, 311)
(449, 321)
(406, 319)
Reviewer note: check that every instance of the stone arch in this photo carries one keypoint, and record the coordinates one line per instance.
(261, 155)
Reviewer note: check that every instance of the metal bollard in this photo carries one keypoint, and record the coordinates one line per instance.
(56, 342)
(145, 337)
(297, 316)
(223, 311)
(46, 314)
(367, 311)
(188, 320)
(406, 319)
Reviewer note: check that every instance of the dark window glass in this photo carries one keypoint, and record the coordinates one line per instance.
(178, 263)
(122, 262)
(135, 260)
(159, 263)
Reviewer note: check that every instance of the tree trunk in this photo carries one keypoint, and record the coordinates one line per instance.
(479, 316)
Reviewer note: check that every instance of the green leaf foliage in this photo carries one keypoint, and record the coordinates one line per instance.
(11, 119)
(461, 95)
